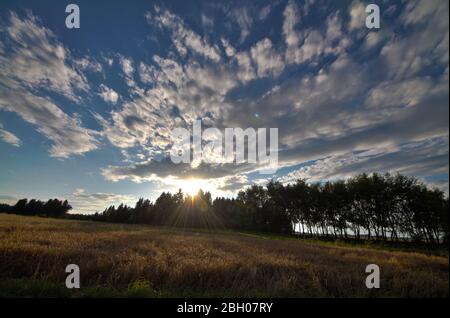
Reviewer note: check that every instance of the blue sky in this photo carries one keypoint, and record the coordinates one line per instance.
(86, 114)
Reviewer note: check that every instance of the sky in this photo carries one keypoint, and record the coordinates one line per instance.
(87, 114)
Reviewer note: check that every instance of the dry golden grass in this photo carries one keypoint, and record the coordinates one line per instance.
(173, 262)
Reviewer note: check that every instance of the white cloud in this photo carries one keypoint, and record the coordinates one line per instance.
(215, 78)
(312, 47)
(128, 70)
(183, 37)
(426, 45)
(343, 113)
(147, 73)
(232, 183)
(267, 60)
(66, 133)
(291, 19)
(127, 66)
(109, 61)
(9, 137)
(244, 20)
(178, 96)
(373, 39)
(229, 50)
(357, 16)
(417, 12)
(88, 63)
(346, 112)
(246, 71)
(308, 45)
(207, 22)
(108, 94)
(334, 27)
(87, 203)
(37, 60)
(265, 11)
(391, 94)
(421, 159)
(170, 71)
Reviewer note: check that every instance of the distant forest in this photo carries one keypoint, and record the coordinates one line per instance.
(51, 208)
(377, 207)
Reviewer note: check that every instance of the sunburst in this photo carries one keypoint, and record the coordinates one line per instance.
(192, 186)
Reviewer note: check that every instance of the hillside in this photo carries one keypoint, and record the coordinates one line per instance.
(133, 260)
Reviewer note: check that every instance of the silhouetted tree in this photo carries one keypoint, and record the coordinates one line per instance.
(52, 208)
(379, 207)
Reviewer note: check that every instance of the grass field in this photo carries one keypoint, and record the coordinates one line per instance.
(141, 261)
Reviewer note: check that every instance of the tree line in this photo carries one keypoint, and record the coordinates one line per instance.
(376, 207)
(51, 208)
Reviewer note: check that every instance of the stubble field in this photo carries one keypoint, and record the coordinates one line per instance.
(142, 261)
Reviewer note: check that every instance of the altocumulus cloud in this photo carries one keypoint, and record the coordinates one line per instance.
(35, 59)
(9, 137)
(83, 201)
(345, 99)
(349, 115)
(108, 94)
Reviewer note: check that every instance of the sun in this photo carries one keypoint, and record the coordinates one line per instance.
(192, 186)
